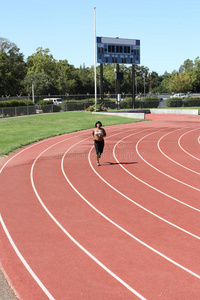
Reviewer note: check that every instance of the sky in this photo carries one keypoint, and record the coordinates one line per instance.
(168, 30)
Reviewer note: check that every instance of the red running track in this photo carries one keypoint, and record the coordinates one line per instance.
(129, 229)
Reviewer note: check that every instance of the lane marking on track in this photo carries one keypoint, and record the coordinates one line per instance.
(131, 200)
(3, 224)
(167, 175)
(29, 147)
(70, 236)
(118, 226)
(41, 285)
(18, 153)
(158, 144)
(179, 142)
(142, 207)
(152, 187)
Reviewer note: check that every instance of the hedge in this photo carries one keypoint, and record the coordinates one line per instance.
(16, 103)
(75, 105)
(174, 102)
(191, 101)
(44, 102)
(150, 102)
(146, 102)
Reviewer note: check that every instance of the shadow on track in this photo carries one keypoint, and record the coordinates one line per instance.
(121, 163)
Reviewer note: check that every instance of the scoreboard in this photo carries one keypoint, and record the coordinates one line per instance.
(118, 51)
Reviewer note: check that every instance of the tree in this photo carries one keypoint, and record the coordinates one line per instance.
(42, 62)
(141, 74)
(154, 81)
(85, 80)
(6, 46)
(181, 82)
(188, 65)
(12, 68)
(109, 78)
(164, 82)
(43, 84)
(196, 75)
(67, 77)
(41, 67)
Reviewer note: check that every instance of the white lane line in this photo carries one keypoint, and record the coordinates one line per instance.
(18, 153)
(29, 147)
(3, 224)
(167, 175)
(152, 187)
(118, 226)
(158, 144)
(69, 235)
(131, 200)
(179, 142)
(41, 285)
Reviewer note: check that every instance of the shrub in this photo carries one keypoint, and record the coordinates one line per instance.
(99, 107)
(29, 102)
(75, 105)
(128, 103)
(56, 108)
(44, 102)
(174, 102)
(4, 103)
(90, 108)
(191, 101)
(146, 102)
(150, 102)
(16, 103)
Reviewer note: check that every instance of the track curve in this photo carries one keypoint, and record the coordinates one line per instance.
(129, 229)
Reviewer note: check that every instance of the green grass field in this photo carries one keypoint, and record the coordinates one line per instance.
(21, 131)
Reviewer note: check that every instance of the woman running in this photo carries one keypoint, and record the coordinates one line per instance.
(98, 134)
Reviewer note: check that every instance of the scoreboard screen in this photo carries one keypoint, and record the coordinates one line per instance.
(118, 51)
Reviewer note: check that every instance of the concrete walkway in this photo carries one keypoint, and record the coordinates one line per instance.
(6, 292)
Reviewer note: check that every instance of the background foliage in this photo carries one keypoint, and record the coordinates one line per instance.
(52, 77)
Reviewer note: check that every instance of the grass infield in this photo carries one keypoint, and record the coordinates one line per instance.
(21, 131)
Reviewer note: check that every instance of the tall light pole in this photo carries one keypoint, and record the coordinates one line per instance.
(133, 83)
(33, 96)
(95, 66)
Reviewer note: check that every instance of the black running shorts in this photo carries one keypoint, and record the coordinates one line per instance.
(99, 145)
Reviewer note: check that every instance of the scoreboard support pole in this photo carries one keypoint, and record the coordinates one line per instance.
(118, 87)
(101, 81)
(118, 80)
(133, 82)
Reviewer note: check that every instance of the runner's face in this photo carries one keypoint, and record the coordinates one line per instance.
(98, 125)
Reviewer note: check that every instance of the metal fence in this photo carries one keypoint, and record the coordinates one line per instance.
(85, 96)
(70, 105)
(17, 111)
(6, 112)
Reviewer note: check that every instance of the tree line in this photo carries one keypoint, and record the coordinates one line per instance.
(53, 77)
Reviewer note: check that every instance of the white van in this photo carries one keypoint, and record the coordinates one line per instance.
(56, 101)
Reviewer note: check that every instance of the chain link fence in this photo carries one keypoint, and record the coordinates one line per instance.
(6, 112)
